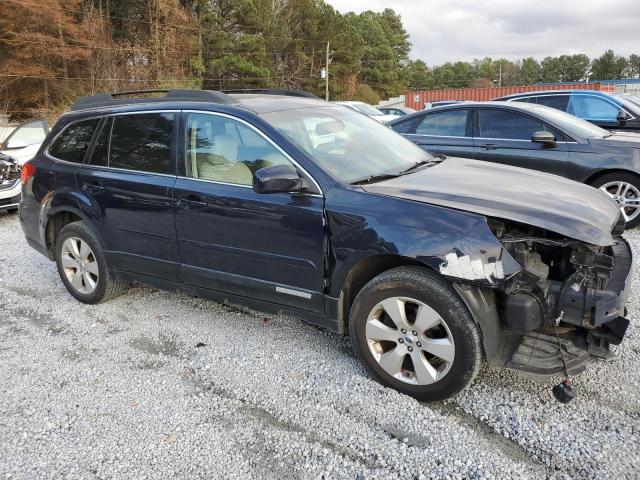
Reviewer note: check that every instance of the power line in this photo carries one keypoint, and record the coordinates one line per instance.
(49, 45)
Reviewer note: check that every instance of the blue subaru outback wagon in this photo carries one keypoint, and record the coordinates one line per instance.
(285, 203)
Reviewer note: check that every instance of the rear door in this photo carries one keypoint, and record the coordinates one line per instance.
(445, 131)
(127, 191)
(504, 136)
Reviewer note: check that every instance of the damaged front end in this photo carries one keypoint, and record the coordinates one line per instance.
(565, 305)
(9, 183)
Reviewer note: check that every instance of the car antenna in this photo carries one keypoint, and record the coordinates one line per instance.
(565, 391)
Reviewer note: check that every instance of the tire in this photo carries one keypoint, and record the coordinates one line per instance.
(609, 183)
(427, 299)
(97, 283)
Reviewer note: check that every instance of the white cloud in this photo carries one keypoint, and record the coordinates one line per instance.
(451, 30)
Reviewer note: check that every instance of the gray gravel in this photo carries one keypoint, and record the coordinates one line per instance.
(161, 385)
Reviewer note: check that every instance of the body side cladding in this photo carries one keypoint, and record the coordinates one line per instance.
(225, 298)
(481, 302)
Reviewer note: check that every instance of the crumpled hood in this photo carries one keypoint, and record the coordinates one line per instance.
(619, 139)
(542, 200)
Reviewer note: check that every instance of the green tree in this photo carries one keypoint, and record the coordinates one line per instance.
(551, 69)
(573, 67)
(530, 71)
(608, 66)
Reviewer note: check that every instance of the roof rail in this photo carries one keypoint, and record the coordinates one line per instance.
(273, 91)
(114, 99)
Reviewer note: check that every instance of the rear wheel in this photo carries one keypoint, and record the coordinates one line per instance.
(624, 188)
(82, 265)
(413, 333)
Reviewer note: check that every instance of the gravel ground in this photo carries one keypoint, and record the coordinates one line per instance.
(161, 385)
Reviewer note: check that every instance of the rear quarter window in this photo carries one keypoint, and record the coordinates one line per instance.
(72, 144)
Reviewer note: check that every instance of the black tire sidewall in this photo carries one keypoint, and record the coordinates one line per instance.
(81, 231)
(620, 177)
(440, 297)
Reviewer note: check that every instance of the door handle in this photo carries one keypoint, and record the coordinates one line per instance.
(489, 146)
(192, 202)
(93, 187)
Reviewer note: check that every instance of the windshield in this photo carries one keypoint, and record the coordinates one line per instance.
(573, 125)
(366, 109)
(349, 146)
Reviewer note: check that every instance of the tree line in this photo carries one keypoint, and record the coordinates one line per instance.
(488, 72)
(52, 51)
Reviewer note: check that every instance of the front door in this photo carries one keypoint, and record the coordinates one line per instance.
(264, 246)
(127, 191)
(504, 136)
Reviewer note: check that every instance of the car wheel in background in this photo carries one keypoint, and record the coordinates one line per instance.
(413, 333)
(82, 265)
(624, 188)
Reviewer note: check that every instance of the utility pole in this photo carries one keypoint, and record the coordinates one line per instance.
(326, 79)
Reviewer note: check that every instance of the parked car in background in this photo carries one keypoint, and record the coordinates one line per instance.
(398, 111)
(534, 136)
(609, 111)
(296, 205)
(17, 148)
(440, 103)
(368, 110)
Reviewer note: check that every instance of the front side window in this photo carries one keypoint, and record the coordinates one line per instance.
(72, 144)
(501, 124)
(347, 145)
(452, 123)
(559, 102)
(222, 149)
(142, 142)
(593, 108)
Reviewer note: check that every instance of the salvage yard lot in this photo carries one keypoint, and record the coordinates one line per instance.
(161, 385)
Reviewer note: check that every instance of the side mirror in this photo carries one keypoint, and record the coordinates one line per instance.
(15, 144)
(622, 117)
(544, 137)
(277, 178)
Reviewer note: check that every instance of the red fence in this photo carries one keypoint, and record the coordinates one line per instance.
(417, 98)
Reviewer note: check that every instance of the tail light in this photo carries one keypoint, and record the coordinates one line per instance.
(28, 172)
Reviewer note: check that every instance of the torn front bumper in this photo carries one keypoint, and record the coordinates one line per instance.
(10, 193)
(592, 321)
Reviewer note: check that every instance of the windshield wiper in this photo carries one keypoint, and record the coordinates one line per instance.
(421, 163)
(374, 178)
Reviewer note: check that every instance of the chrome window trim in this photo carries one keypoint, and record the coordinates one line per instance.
(437, 136)
(141, 172)
(267, 139)
(511, 139)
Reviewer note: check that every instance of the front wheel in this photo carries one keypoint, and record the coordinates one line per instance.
(82, 265)
(413, 333)
(624, 188)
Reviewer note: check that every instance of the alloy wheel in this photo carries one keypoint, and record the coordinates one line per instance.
(410, 340)
(627, 196)
(80, 265)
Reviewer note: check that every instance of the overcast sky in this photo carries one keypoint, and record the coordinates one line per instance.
(451, 30)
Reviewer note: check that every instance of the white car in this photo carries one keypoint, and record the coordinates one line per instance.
(18, 148)
(369, 111)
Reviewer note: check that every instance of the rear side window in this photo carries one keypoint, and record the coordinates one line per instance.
(101, 149)
(452, 123)
(142, 142)
(559, 102)
(74, 141)
(506, 125)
